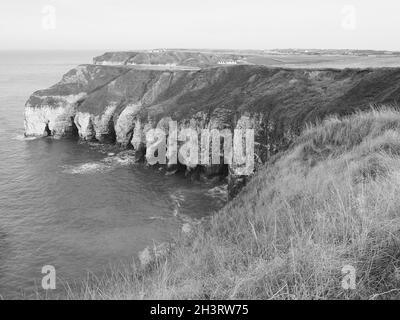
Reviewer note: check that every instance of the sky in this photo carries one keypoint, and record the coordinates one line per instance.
(228, 24)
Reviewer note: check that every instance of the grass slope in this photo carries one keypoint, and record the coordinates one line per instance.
(331, 200)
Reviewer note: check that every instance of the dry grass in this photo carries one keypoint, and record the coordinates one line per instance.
(331, 200)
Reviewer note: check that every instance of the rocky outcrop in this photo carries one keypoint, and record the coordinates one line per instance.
(54, 111)
(120, 104)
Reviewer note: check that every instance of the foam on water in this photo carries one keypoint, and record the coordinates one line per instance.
(122, 159)
(22, 137)
(107, 164)
(87, 168)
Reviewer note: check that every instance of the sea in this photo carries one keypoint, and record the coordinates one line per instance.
(79, 207)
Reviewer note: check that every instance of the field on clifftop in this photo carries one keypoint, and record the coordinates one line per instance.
(330, 200)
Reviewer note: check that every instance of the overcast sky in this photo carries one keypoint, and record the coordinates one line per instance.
(250, 24)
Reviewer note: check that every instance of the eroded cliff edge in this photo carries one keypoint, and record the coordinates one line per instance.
(118, 103)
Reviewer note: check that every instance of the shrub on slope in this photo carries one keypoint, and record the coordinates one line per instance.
(330, 201)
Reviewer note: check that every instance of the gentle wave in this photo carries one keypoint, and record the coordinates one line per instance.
(109, 163)
(86, 168)
(22, 137)
(122, 158)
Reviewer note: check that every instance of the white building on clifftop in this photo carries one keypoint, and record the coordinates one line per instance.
(227, 61)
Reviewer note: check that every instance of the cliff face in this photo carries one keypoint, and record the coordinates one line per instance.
(53, 110)
(121, 103)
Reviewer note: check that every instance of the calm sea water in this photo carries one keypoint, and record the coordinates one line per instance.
(76, 206)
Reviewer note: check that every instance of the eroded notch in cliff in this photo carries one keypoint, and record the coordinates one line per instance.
(110, 135)
(47, 131)
(73, 129)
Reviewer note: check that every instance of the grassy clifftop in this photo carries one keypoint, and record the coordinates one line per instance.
(330, 200)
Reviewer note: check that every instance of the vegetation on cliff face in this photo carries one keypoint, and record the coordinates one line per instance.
(330, 200)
